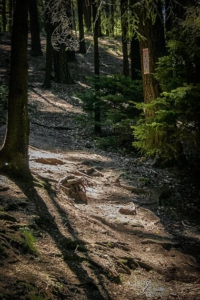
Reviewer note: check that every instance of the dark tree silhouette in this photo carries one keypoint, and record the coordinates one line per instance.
(49, 51)
(14, 153)
(35, 29)
(97, 117)
(82, 48)
(124, 25)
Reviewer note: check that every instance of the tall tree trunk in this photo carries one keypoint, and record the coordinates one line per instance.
(87, 14)
(49, 51)
(61, 67)
(71, 56)
(97, 112)
(135, 59)
(11, 8)
(82, 48)
(35, 30)
(107, 11)
(135, 50)
(14, 153)
(155, 43)
(95, 36)
(4, 19)
(112, 18)
(99, 24)
(73, 16)
(124, 26)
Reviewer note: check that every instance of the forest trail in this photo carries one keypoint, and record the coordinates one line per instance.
(99, 231)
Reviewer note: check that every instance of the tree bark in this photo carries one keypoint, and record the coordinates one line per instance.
(71, 56)
(97, 111)
(124, 26)
(135, 59)
(49, 52)
(107, 11)
(14, 153)
(61, 67)
(155, 43)
(82, 48)
(99, 24)
(95, 37)
(87, 14)
(35, 30)
(112, 18)
(4, 19)
(11, 6)
(135, 50)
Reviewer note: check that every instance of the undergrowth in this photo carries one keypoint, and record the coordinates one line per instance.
(170, 127)
(116, 97)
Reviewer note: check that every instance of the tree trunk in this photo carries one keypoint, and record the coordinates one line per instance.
(82, 48)
(135, 59)
(61, 67)
(99, 25)
(155, 43)
(124, 26)
(95, 37)
(97, 112)
(135, 50)
(112, 19)
(49, 52)
(35, 30)
(11, 7)
(73, 16)
(14, 153)
(4, 19)
(87, 14)
(71, 56)
(107, 11)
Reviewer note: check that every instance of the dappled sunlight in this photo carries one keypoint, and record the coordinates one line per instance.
(79, 155)
(48, 101)
(116, 239)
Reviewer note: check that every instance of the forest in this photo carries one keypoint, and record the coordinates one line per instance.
(99, 149)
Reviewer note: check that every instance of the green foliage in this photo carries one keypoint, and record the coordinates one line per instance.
(28, 240)
(30, 290)
(171, 125)
(173, 120)
(3, 102)
(116, 95)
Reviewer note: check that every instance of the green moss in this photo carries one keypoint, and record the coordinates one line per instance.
(28, 240)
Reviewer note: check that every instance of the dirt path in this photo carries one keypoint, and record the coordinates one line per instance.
(99, 230)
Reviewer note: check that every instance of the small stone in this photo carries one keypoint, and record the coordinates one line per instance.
(125, 223)
(128, 209)
(160, 289)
